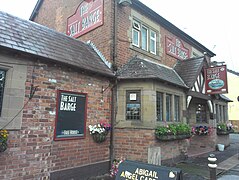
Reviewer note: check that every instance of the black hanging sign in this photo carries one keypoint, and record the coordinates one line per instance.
(70, 115)
(142, 171)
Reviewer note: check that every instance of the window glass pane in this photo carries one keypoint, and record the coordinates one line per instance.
(201, 113)
(2, 82)
(133, 105)
(176, 108)
(153, 42)
(159, 104)
(144, 38)
(168, 107)
(135, 37)
(217, 113)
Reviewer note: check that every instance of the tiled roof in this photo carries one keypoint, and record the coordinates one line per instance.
(233, 72)
(143, 69)
(225, 98)
(29, 37)
(189, 69)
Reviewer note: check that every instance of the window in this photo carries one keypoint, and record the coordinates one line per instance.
(217, 113)
(136, 33)
(133, 105)
(201, 113)
(159, 106)
(144, 42)
(168, 107)
(153, 42)
(143, 37)
(176, 108)
(2, 82)
(166, 110)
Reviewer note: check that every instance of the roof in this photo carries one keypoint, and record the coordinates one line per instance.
(189, 69)
(136, 4)
(225, 98)
(34, 39)
(233, 72)
(138, 68)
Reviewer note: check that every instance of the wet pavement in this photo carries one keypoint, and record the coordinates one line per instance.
(196, 168)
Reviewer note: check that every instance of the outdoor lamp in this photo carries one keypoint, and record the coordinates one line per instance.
(125, 2)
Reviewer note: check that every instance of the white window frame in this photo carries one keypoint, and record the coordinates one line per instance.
(136, 29)
(154, 40)
(151, 38)
(147, 37)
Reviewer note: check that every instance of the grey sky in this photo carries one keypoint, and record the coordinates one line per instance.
(213, 23)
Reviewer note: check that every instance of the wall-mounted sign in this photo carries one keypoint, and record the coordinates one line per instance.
(174, 47)
(216, 80)
(88, 16)
(138, 170)
(70, 115)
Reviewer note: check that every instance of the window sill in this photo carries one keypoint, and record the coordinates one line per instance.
(145, 53)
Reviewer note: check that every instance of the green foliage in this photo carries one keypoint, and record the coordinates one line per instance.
(183, 129)
(222, 126)
(173, 129)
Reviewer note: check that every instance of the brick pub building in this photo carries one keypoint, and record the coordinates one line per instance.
(129, 66)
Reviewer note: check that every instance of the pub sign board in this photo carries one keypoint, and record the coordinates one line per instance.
(216, 80)
(70, 115)
(132, 170)
(175, 48)
(88, 16)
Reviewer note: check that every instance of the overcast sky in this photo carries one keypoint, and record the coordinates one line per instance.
(213, 23)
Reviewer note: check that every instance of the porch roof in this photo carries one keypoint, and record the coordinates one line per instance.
(189, 69)
(138, 68)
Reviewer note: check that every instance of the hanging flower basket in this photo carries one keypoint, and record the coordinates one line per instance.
(99, 131)
(99, 137)
(3, 140)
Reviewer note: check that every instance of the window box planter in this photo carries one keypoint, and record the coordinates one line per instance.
(173, 137)
(224, 128)
(174, 131)
(223, 132)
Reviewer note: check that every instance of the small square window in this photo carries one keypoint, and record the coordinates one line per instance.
(133, 105)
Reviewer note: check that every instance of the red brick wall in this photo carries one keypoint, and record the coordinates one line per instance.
(32, 152)
(54, 14)
(169, 60)
(133, 144)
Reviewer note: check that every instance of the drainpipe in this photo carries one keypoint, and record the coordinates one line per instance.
(114, 88)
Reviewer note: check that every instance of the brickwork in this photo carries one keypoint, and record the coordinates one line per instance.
(32, 153)
(54, 15)
(133, 144)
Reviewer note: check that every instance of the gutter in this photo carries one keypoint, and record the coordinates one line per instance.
(36, 10)
(136, 4)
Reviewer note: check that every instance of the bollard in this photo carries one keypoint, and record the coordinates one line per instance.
(212, 166)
